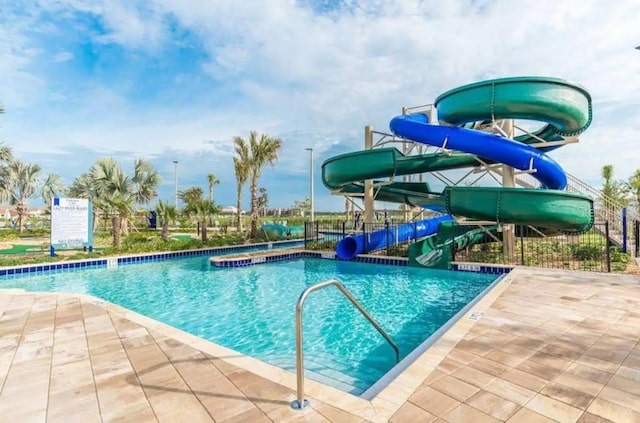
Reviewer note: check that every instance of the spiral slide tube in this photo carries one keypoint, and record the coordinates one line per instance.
(563, 107)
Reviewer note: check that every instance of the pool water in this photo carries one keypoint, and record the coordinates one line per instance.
(252, 309)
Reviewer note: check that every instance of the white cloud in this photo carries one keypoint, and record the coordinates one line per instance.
(317, 79)
(63, 56)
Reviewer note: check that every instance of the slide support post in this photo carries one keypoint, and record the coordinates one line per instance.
(368, 184)
(508, 180)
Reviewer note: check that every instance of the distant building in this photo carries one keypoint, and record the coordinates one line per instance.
(230, 210)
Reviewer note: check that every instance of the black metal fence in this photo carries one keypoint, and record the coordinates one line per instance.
(525, 245)
(530, 246)
(325, 235)
(636, 238)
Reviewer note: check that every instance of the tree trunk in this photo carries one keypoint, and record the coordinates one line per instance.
(203, 228)
(22, 211)
(254, 206)
(211, 193)
(239, 211)
(165, 230)
(347, 207)
(95, 220)
(124, 225)
(116, 227)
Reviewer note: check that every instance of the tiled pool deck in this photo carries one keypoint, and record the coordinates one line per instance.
(541, 346)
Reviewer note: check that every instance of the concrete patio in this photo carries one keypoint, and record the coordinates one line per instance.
(552, 346)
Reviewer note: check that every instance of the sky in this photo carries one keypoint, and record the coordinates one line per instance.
(178, 79)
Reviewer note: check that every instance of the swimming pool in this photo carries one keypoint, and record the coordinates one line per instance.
(251, 309)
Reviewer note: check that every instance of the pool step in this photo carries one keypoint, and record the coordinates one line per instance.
(325, 368)
(321, 373)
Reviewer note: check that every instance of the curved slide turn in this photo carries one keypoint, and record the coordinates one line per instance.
(565, 108)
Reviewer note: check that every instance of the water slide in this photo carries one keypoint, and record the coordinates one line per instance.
(563, 107)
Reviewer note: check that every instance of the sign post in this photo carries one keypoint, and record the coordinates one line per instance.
(71, 224)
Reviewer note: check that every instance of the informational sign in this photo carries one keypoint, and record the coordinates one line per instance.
(71, 223)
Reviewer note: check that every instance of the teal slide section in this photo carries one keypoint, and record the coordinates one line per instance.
(563, 107)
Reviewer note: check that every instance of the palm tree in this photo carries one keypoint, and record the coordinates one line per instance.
(6, 153)
(51, 187)
(83, 187)
(145, 186)
(117, 193)
(19, 184)
(263, 150)
(634, 187)
(191, 195)
(241, 166)
(615, 190)
(167, 214)
(202, 210)
(211, 178)
(145, 181)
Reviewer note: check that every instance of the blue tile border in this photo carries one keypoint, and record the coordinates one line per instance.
(55, 267)
(481, 268)
(249, 261)
(390, 261)
(42, 268)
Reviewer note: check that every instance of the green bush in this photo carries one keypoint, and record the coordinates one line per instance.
(587, 252)
(322, 245)
(618, 256)
(398, 250)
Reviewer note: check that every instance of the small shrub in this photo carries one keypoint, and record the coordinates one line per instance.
(587, 252)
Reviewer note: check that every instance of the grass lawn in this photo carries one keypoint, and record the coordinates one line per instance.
(23, 249)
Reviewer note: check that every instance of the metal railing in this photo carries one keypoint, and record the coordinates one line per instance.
(301, 402)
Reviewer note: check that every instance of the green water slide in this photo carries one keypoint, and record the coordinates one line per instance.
(563, 107)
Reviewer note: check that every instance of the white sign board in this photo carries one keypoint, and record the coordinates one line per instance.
(71, 224)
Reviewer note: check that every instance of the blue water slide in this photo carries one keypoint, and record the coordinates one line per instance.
(482, 144)
(349, 247)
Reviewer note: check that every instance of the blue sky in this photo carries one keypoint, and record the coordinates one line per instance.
(177, 79)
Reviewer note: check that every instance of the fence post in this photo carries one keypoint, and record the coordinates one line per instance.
(636, 236)
(453, 251)
(386, 231)
(317, 228)
(306, 228)
(344, 224)
(608, 252)
(624, 229)
(522, 244)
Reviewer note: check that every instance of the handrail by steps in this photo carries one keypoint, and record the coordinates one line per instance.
(301, 402)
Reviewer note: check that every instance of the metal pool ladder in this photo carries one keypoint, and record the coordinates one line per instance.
(301, 402)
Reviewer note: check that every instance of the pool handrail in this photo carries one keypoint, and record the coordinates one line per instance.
(301, 402)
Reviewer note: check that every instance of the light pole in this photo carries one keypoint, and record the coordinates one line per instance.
(310, 150)
(175, 183)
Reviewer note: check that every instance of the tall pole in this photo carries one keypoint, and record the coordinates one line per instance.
(175, 183)
(368, 184)
(313, 216)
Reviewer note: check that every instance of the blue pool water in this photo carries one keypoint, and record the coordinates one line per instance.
(252, 309)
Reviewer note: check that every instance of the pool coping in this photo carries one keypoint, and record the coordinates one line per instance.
(388, 398)
(117, 260)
